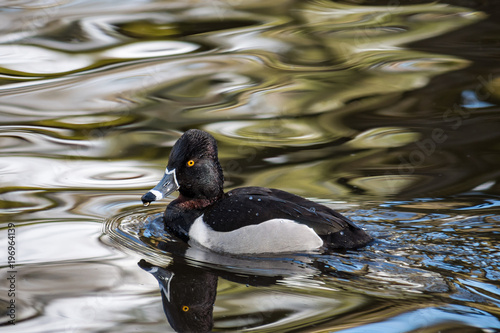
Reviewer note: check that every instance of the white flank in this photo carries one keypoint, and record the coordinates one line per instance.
(272, 236)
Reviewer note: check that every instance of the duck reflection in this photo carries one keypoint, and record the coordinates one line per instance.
(188, 295)
(188, 284)
(188, 292)
(283, 290)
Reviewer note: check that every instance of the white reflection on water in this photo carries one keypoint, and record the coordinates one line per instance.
(19, 172)
(148, 50)
(31, 60)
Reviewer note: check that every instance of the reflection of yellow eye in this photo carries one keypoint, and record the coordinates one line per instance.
(190, 163)
(185, 308)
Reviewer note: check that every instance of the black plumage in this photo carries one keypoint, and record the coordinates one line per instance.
(194, 170)
(253, 205)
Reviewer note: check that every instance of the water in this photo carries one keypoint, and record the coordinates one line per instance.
(387, 112)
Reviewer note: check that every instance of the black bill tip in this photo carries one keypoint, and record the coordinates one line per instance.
(148, 198)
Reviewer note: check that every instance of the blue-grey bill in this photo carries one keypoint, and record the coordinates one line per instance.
(168, 184)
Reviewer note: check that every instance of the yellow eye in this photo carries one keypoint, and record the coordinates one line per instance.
(185, 308)
(190, 163)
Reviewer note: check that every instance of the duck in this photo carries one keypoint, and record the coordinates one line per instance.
(245, 220)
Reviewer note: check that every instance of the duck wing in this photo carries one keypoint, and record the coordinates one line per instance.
(253, 205)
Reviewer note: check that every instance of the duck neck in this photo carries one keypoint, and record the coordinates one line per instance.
(194, 203)
(182, 212)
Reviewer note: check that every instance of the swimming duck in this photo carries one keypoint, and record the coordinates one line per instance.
(247, 220)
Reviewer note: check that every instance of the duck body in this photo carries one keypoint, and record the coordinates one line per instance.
(247, 220)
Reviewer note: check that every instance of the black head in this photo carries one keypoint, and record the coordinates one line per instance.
(193, 169)
(195, 160)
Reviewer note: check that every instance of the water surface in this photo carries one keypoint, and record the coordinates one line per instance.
(387, 112)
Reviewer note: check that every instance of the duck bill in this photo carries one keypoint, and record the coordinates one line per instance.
(167, 185)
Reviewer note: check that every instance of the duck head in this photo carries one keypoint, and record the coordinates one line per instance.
(193, 169)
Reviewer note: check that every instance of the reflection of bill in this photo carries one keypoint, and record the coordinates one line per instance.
(188, 295)
(188, 292)
(188, 286)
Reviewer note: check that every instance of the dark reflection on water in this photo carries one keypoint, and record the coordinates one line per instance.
(387, 111)
(187, 294)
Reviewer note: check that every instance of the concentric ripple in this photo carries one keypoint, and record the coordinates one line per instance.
(18, 171)
(269, 133)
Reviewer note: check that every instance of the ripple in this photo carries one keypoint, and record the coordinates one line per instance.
(85, 137)
(125, 230)
(39, 245)
(61, 280)
(19, 172)
(385, 185)
(123, 175)
(33, 60)
(142, 231)
(101, 120)
(114, 175)
(452, 318)
(407, 263)
(376, 31)
(119, 90)
(21, 139)
(149, 50)
(384, 137)
(274, 133)
(25, 308)
(469, 203)
(445, 15)
(422, 64)
(16, 202)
